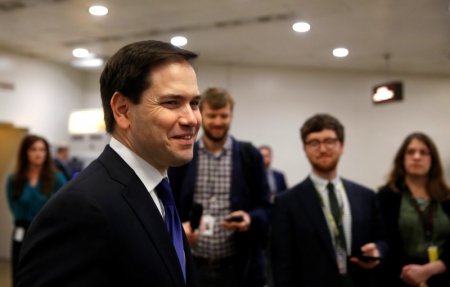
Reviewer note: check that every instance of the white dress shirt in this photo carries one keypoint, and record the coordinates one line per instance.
(149, 175)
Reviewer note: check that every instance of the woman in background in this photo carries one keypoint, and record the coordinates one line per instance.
(29, 188)
(416, 207)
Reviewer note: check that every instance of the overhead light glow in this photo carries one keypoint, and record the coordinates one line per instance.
(301, 27)
(179, 41)
(88, 63)
(98, 10)
(387, 92)
(89, 121)
(80, 53)
(340, 52)
(383, 94)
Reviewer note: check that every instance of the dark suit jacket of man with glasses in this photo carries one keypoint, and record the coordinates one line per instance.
(307, 248)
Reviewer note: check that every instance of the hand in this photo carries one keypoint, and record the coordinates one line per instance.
(192, 236)
(417, 275)
(414, 274)
(369, 249)
(242, 226)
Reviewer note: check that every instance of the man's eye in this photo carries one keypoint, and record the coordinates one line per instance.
(195, 103)
(170, 103)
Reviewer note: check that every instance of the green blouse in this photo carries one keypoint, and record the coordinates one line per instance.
(412, 229)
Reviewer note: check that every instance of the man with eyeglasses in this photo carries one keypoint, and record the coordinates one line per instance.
(326, 230)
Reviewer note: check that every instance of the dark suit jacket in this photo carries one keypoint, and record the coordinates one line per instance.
(101, 229)
(249, 192)
(63, 167)
(302, 249)
(280, 181)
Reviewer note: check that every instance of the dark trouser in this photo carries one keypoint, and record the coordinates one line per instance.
(216, 273)
(15, 250)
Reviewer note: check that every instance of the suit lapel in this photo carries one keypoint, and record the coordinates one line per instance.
(315, 215)
(140, 201)
(355, 212)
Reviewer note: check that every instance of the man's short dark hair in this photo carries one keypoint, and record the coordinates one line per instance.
(320, 122)
(128, 70)
(216, 98)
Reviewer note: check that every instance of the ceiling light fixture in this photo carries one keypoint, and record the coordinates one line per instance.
(389, 91)
(88, 121)
(88, 63)
(301, 27)
(80, 53)
(179, 41)
(340, 52)
(98, 10)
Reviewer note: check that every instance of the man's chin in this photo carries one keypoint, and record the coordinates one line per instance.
(216, 137)
(182, 159)
(325, 168)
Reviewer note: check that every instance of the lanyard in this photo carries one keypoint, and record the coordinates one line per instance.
(426, 217)
(329, 217)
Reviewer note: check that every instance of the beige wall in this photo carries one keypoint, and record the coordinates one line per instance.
(10, 138)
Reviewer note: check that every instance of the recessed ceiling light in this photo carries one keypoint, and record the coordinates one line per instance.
(340, 52)
(98, 10)
(88, 63)
(179, 41)
(80, 53)
(301, 27)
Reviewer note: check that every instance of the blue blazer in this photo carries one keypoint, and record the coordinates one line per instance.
(102, 229)
(280, 181)
(301, 248)
(249, 192)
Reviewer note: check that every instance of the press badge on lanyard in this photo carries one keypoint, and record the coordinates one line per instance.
(19, 233)
(433, 253)
(341, 258)
(207, 225)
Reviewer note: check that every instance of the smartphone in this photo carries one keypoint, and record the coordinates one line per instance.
(234, 219)
(195, 214)
(367, 258)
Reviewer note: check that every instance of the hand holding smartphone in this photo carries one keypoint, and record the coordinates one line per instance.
(367, 258)
(234, 219)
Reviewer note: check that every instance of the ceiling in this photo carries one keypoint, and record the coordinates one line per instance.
(415, 33)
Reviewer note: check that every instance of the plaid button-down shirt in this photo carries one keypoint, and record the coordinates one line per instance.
(212, 190)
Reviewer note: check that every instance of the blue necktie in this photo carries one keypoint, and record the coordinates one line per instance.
(172, 220)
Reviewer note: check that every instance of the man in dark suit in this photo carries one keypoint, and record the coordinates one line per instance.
(109, 226)
(323, 226)
(61, 161)
(275, 178)
(227, 178)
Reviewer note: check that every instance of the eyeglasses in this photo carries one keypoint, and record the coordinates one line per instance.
(328, 143)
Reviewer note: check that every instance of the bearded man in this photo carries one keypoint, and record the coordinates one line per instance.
(326, 230)
(227, 178)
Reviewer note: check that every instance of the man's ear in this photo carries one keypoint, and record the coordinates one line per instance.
(120, 106)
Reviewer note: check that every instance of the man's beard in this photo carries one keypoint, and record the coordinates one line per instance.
(213, 138)
(325, 168)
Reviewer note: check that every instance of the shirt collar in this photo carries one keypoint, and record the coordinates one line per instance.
(321, 183)
(226, 147)
(149, 175)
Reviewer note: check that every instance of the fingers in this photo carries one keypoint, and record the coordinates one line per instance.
(191, 235)
(370, 249)
(241, 226)
(365, 264)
